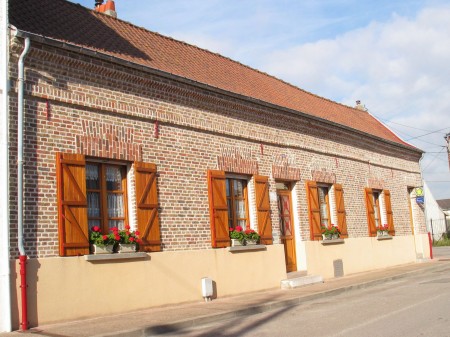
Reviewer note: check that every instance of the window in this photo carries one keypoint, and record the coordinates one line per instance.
(228, 206)
(379, 210)
(106, 187)
(376, 207)
(237, 202)
(325, 207)
(92, 193)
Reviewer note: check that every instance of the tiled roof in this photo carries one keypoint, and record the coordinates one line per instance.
(72, 23)
(444, 204)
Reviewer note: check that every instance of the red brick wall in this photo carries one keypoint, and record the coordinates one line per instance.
(78, 104)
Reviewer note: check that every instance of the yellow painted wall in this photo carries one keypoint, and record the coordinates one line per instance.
(69, 288)
(360, 254)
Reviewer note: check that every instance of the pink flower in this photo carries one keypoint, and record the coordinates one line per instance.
(231, 229)
(96, 229)
(238, 229)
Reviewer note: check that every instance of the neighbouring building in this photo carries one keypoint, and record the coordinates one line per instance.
(125, 126)
(435, 217)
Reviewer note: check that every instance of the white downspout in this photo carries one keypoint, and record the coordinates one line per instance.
(20, 90)
(5, 264)
(23, 256)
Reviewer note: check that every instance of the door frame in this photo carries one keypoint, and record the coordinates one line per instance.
(288, 192)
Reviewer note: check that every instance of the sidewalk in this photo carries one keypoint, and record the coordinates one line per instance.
(169, 319)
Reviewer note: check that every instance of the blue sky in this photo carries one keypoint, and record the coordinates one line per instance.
(393, 55)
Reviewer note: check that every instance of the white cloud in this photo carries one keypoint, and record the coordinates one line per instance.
(399, 69)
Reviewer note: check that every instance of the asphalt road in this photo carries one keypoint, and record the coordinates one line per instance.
(416, 305)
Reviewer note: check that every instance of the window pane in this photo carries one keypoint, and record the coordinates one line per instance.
(242, 223)
(238, 188)
(113, 178)
(92, 180)
(92, 223)
(227, 183)
(116, 223)
(115, 205)
(322, 193)
(93, 199)
(230, 214)
(240, 208)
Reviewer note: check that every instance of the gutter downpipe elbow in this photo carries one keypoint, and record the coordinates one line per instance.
(20, 113)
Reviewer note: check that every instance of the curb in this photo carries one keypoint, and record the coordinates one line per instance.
(155, 330)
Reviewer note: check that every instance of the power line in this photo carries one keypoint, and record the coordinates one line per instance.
(436, 156)
(429, 133)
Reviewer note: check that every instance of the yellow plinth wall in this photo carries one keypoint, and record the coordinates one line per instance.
(70, 288)
(357, 255)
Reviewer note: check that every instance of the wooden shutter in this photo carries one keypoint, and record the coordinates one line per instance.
(370, 212)
(313, 210)
(218, 209)
(388, 208)
(72, 204)
(263, 209)
(147, 207)
(340, 208)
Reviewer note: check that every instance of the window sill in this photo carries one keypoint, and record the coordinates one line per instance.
(246, 248)
(384, 237)
(112, 257)
(332, 242)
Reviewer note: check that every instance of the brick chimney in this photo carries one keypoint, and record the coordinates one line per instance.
(109, 8)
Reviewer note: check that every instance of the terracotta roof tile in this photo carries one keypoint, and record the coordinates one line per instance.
(72, 23)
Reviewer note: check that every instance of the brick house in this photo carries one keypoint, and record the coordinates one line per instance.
(123, 126)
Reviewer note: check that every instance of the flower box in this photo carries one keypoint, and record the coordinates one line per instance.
(236, 243)
(102, 249)
(127, 248)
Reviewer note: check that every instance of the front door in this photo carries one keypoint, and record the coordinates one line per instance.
(287, 225)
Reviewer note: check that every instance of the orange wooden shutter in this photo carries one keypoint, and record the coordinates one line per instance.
(218, 209)
(72, 204)
(370, 212)
(340, 208)
(313, 210)
(263, 209)
(147, 207)
(389, 215)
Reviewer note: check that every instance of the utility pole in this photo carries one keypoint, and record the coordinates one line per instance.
(447, 138)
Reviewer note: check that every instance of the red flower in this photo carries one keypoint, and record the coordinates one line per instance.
(96, 229)
(231, 229)
(127, 227)
(238, 229)
(131, 239)
(105, 237)
(116, 237)
(137, 233)
(114, 229)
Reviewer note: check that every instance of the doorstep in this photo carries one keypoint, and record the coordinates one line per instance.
(300, 279)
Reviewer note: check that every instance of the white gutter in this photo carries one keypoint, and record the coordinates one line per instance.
(5, 263)
(20, 90)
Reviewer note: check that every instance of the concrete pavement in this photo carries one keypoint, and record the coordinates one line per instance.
(159, 320)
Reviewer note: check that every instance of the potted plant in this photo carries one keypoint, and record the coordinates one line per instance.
(383, 230)
(330, 232)
(129, 240)
(251, 237)
(102, 243)
(237, 236)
